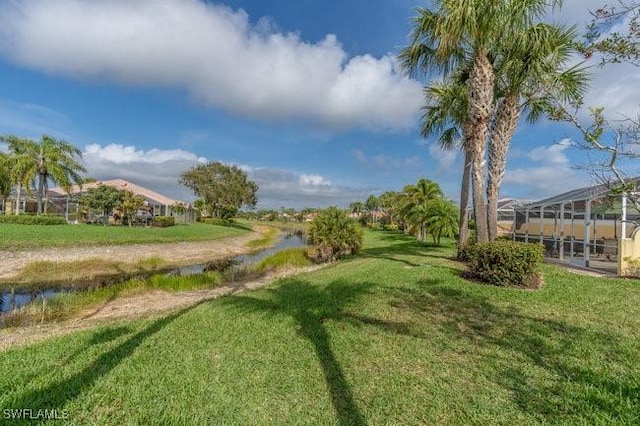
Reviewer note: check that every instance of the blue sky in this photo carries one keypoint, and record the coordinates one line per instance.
(305, 95)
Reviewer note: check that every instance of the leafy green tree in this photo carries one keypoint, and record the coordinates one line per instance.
(221, 186)
(334, 234)
(102, 199)
(623, 43)
(47, 160)
(467, 32)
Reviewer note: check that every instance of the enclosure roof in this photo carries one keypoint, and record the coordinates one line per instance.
(511, 203)
(581, 194)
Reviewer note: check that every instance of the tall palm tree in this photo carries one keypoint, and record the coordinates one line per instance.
(535, 59)
(372, 205)
(445, 115)
(468, 31)
(49, 159)
(22, 170)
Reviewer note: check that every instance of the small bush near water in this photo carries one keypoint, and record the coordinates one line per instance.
(333, 234)
(32, 220)
(507, 263)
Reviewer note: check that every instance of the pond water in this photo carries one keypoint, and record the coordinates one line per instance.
(14, 299)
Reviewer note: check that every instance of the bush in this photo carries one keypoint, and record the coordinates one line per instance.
(164, 221)
(507, 263)
(374, 226)
(390, 227)
(333, 234)
(33, 220)
(217, 221)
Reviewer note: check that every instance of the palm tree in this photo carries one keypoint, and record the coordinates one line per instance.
(422, 192)
(445, 115)
(534, 60)
(372, 205)
(442, 220)
(49, 159)
(356, 208)
(467, 32)
(22, 170)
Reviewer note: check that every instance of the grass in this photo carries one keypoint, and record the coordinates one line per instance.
(287, 258)
(392, 336)
(79, 273)
(269, 238)
(24, 237)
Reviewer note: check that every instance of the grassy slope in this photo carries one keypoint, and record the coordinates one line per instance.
(22, 237)
(391, 337)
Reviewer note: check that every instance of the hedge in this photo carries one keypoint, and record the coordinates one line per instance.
(164, 221)
(32, 220)
(507, 263)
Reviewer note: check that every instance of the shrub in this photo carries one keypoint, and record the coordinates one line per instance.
(33, 220)
(164, 221)
(390, 227)
(374, 226)
(507, 263)
(333, 234)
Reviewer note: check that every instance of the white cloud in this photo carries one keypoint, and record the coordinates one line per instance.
(314, 180)
(550, 174)
(383, 161)
(120, 154)
(553, 154)
(213, 52)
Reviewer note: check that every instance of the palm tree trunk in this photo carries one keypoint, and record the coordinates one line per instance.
(464, 201)
(18, 194)
(502, 132)
(41, 178)
(481, 81)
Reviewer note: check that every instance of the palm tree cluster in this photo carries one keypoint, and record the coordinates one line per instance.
(420, 209)
(30, 164)
(493, 60)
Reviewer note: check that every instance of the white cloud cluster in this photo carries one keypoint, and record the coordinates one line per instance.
(313, 180)
(551, 173)
(383, 161)
(120, 154)
(160, 170)
(213, 52)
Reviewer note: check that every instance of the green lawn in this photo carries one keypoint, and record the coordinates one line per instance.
(22, 237)
(393, 336)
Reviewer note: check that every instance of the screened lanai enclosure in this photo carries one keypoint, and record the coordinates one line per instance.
(592, 227)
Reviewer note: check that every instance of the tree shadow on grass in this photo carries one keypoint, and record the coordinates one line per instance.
(403, 245)
(548, 373)
(311, 306)
(58, 394)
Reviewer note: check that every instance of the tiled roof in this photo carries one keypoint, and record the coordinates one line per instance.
(124, 185)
